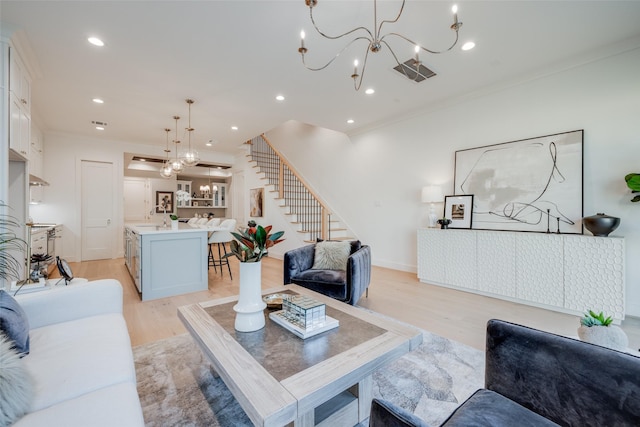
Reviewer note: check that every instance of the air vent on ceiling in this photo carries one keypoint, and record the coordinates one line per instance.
(408, 69)
(98, 123)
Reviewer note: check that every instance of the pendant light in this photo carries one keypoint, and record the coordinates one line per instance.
(167, 171)
(176, 163)
(190, 157)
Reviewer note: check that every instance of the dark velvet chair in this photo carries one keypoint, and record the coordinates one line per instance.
(534, 378)
(344, 285)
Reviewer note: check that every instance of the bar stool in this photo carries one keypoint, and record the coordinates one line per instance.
(221, 238)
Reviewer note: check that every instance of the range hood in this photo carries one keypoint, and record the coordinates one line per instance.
(34, 180)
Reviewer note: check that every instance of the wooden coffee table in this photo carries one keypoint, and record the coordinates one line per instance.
(279, 378)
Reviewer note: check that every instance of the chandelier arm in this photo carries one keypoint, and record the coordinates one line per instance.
(422, 47)
(335, 37)
(388, 21)
(337, 54)
(358, 82)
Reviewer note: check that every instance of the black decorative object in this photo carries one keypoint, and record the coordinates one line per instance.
(64, 270)
(548, 219)
(444, 223)
(601, 224)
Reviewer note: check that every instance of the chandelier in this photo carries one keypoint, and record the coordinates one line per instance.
(176, 163)
(375, 40)
(189, 157)
(167, 170)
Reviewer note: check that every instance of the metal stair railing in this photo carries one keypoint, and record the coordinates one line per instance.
(310, 211)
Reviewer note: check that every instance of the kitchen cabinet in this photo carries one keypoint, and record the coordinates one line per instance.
(19, 106)
(36, 155)
(183, 186)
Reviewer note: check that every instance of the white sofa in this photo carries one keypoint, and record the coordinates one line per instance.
(80, 358)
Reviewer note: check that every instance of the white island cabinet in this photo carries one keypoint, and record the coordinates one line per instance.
(167, 262)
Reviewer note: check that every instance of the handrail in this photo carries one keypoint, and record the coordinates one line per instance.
(291, 187)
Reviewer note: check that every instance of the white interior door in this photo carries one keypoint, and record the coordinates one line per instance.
(97, 210)
(136, 199)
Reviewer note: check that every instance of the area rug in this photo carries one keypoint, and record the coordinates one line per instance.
(178, 387)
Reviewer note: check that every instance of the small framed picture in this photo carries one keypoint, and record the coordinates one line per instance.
(459, 209)
(164, 201)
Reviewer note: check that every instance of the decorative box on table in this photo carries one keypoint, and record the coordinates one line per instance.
(303, 316)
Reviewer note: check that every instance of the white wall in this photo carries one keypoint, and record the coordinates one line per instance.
(373, 179)
(61, 202)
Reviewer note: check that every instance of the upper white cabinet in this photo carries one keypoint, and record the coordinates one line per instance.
(183, 186)
(36, 156)
(19, 106)
(565, 272)
(19, 80)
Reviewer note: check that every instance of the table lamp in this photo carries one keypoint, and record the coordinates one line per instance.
(432, 194)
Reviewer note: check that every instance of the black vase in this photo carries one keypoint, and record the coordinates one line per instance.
(601, 224)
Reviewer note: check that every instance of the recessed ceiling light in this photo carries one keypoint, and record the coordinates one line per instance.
(234, 127)
(208, 144)
(350, 121)
(370, 91)
(280, 98)
(99, 128)
(468, 46)
(98, 101)
(95, 41)
(143, 160)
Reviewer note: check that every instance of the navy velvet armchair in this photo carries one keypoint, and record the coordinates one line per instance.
(344, 285)
(534, 378)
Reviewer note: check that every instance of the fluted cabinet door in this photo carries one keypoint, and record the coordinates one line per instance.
(497, 263)
(539, 267)
(432, 255)
(594, 274)
(461, 262)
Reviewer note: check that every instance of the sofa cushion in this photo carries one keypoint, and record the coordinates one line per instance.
(116, 405)
(327, 282)
(72, 358)
(14, 322)
(486, 408)
(16, 388)
(355, 244)
(331, 255)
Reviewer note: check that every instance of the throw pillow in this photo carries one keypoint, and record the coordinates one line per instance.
(331, 255)
(14, 322)
(16, 386)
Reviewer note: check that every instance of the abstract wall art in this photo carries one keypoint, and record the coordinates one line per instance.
(532, 184)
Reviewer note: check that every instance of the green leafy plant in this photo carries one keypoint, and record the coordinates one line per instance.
(173, 217)
(252, 243)
(592, 319)
(10, 267)
(633, 182)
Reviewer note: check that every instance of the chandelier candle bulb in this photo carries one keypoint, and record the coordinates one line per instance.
(454, 9)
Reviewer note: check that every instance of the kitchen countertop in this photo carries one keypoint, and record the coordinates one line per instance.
(159, 229)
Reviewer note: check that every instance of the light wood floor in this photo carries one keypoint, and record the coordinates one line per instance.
(457, 315)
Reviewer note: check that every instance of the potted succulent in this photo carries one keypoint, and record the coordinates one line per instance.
(633, 182)
(174, 221)
(595, 328)
(249, 247)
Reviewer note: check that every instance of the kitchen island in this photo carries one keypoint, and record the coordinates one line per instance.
(165, 262)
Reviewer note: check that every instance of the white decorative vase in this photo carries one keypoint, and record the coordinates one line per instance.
(250, 307)
(611, 336)
(174, 224)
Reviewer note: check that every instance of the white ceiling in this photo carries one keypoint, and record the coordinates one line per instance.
(234, 57)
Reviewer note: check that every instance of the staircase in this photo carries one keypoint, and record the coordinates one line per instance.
(303, 207)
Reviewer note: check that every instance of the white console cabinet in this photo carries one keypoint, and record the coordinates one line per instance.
(564, 272)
